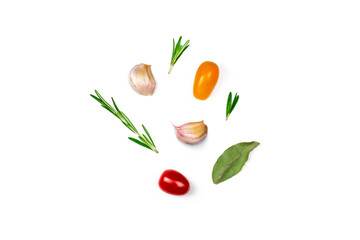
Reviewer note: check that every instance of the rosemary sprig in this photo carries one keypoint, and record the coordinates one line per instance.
(144, 140)
(178, 49)
(231, 104)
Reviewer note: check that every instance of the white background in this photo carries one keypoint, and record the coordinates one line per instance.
(68, 171)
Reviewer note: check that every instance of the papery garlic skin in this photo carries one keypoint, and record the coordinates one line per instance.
(192, 132)
(142, 80)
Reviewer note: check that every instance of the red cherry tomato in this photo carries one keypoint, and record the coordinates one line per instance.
(173, 182)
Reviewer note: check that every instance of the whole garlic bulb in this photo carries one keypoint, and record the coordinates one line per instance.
(142, 80)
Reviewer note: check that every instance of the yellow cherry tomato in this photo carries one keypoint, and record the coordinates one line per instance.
(205, 80)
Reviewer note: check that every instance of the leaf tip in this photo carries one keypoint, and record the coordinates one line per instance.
(214, 180)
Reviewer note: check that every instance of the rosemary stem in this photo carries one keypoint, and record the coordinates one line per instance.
(171, 67)
(149, 144)
(143, 140)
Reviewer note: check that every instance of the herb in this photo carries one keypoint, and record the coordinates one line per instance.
(231, 104)
(231, 161)
(177, 51)
(144, 140)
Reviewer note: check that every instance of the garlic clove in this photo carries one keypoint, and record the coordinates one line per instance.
(192, 132)
(142, 80)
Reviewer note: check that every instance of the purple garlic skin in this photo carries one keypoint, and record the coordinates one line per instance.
(142, 80)
(192, 132)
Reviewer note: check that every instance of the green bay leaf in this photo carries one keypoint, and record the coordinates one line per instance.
(232, 160)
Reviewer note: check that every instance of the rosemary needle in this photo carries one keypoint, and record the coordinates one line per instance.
(144, 140)
(177, 51)
(231, 104)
